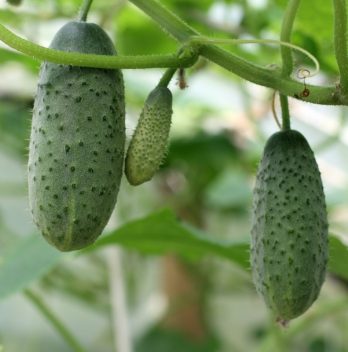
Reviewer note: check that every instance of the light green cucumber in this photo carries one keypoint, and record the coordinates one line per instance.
(77, 142)
(289, 228)
(149, 142)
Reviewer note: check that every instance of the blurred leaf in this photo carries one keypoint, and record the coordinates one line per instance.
(315, 20)
(160, 340)
(319, 25)
(186, 5)
(210, 148)
(139, 35)
(7, 16)
(201, 157)
(315, 17)
(14, 125)
(157, 233)
(229, 190)
(256, 20)
(28, 261)
(338, 262)
(160, 232)
(29, 63)
(14, 2)
(323, 344)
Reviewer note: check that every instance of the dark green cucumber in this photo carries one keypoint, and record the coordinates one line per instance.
(289, 228)
(77, 142)
(150, 139)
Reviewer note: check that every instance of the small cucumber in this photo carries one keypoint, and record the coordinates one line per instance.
(77, 142)
(150, 139)
(289, 228)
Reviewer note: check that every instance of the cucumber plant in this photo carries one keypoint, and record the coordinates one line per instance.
(77, 145)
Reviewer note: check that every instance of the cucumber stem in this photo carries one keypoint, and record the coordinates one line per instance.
(285, 35)
(285, 112)
(86, 5)
(166, 78)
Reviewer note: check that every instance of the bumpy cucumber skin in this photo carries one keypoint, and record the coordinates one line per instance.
(289, 228)
(150, 139)
(76, 149)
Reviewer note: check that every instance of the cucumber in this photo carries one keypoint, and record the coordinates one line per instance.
(76, 149)
(289, 250)
(149, 142)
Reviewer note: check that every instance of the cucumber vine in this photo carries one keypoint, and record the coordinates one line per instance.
(277, 79)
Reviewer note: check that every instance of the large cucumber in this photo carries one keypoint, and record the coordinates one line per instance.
(77, 142)
(290, 231)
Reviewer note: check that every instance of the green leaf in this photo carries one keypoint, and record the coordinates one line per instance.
(201, 157)
(315, 20)
(28, 261)
(139, 35)
(229, 190)
(157, 233)
(338, 262)
(14, 125)
(161, 232)
(160, 339)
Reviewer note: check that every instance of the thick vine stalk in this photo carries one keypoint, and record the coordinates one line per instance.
(340, 41)
(271, 78)
(249, 71)
(92, 60)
